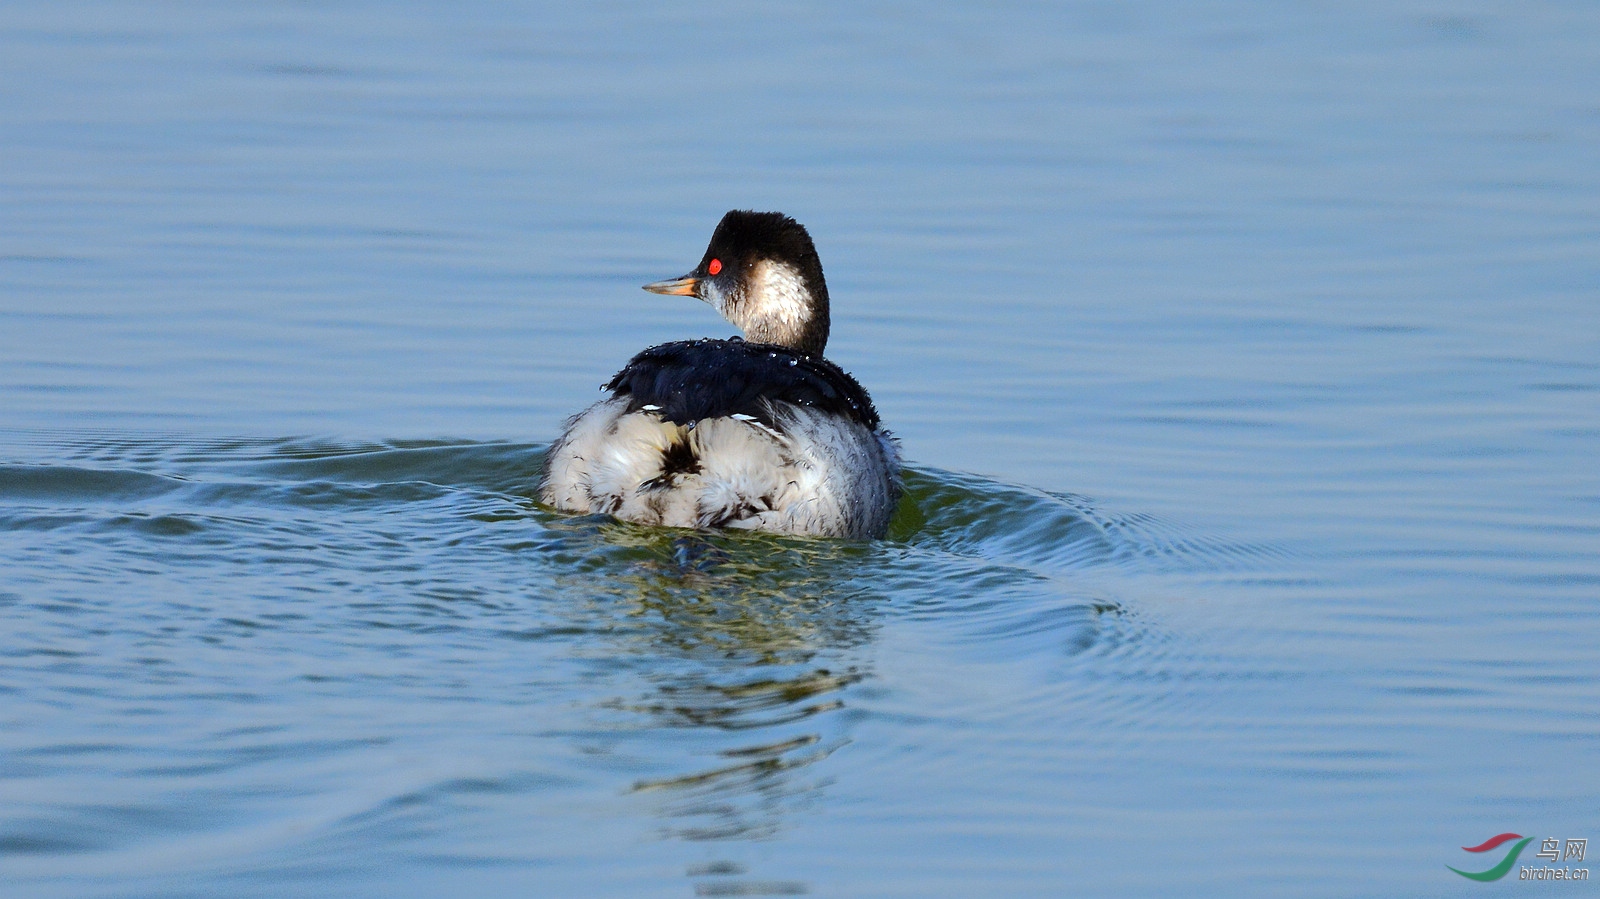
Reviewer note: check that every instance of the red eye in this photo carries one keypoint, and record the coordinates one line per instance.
(715, 266)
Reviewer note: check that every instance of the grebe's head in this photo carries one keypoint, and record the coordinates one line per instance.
(762, 273)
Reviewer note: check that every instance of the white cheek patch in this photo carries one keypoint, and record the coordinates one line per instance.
(777, 306)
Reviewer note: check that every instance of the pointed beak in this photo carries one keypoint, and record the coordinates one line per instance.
(678, 287)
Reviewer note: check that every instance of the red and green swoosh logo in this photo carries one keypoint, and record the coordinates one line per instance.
(1494, 842)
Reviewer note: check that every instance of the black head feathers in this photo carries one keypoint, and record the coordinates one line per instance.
(746, 237)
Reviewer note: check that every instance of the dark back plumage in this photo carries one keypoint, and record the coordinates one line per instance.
(691, 380)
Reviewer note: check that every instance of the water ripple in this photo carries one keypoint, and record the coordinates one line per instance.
(294, 605)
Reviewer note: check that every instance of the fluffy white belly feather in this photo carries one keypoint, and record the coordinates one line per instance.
(811, 473)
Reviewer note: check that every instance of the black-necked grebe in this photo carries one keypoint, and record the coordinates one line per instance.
(763, 434)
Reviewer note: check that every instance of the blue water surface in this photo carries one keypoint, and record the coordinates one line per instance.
(1246, 357)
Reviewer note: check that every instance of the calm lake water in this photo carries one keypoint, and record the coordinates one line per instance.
(1246, 358)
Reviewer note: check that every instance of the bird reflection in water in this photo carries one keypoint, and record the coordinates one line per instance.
(744, 647)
